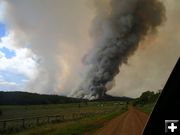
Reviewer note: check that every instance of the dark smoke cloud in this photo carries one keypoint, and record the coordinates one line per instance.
(117, 31)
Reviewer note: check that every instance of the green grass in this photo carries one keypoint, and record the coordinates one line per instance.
(78, 127)
(10, 112)
(148, 108)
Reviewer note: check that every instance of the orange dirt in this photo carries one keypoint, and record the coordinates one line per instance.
(131, 122)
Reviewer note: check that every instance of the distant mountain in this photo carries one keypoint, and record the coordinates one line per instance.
(26, 98)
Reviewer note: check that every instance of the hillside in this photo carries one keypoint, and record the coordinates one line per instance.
(26, 98)
(107, 97)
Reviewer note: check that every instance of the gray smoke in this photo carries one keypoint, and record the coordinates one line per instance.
(117, 31)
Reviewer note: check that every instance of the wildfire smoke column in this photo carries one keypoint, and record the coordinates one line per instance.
(116, 31)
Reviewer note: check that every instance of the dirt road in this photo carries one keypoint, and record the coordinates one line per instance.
(131, 122)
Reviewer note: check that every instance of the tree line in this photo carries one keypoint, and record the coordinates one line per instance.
(147, 98)
(26, 98)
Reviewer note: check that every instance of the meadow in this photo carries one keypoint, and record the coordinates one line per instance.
(78, 118)
(147, 108)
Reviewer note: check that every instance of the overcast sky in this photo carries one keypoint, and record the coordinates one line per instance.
(42, 44)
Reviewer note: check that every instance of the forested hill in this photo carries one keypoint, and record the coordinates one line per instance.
(107, 97)
(26, 98)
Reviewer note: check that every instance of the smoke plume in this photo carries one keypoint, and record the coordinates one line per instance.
(53, 31)
(117, 30)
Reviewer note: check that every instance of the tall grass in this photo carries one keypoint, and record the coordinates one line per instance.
(107, 110)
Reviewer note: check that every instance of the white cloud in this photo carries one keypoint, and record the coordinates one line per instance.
(5, 83)
(1, 78)
(24, 62)
(1, 55)
(13, 40)
(59, 36)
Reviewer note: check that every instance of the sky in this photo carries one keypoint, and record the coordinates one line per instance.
(42, 48)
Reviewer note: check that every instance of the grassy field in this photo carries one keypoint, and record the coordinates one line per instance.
(148, 108)
(101, 112)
